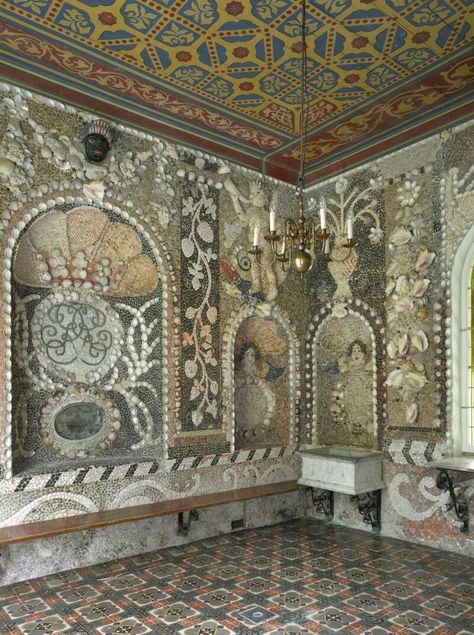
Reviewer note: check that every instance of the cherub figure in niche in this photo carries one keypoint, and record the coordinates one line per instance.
(351, 403)
(266, 279)
(254, 397)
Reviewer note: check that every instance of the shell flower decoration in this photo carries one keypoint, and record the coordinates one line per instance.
(84, 249)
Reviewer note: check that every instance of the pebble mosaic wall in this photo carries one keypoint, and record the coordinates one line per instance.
(130, 304)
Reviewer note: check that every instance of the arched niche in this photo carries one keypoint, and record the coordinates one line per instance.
(342, 360)
(89, 340)
(261, 377)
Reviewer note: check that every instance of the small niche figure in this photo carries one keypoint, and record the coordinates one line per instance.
(254, 397)
(352, 397)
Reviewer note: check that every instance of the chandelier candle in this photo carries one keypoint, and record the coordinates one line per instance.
(322, 213)
(349, 228)
(272, 221)
(255, 236)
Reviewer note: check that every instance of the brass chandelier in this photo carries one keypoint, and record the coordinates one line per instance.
(296, 247)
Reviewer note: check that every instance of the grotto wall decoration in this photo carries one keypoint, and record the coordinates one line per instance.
(343, 362)
(88, 346)
(359, 204)
(97, 140)
(261, 383)
(265, 279)
(409, 274)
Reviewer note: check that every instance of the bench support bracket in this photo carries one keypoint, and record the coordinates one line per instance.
(185, 525)
(369, 507)
(456, 500)
(323, 500)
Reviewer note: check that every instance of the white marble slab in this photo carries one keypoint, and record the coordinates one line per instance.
(458, 463)
(339, 469)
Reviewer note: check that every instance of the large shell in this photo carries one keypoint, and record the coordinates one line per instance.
(84, 248)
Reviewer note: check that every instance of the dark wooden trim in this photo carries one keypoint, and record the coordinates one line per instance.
(82, 522)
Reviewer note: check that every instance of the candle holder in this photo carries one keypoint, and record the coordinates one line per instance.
(272, 237)
(323, 234)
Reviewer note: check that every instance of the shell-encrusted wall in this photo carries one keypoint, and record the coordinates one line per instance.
(146, 356)
(345, 408)
(402, 286)
(118, 277)
(262, 393)
(88, 349)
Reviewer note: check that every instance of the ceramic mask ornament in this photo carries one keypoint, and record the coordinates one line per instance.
(97, 139)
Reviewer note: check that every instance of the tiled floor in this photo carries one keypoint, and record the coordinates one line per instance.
(298, 577)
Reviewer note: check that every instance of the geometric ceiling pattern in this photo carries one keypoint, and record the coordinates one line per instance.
(225, 76)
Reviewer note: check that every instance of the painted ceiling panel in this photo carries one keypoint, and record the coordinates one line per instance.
(226, 75)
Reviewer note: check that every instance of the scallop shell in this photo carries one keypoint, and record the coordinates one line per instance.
(85, 227)
(112, 252)
(139, 276)
(49, 232)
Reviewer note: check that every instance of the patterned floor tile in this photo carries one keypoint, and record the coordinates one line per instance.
(292, 600)
(334, 619)
(128, 626)
(302, 576)
(99, 611)
(446, 606)
(45, 626)
(416, 622)
(328, 587)
(147, 596)
(368, 603)
(208, 627)
(219, 597)
(174, 612)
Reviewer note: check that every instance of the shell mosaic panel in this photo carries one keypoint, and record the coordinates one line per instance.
(200, 312)
(345, 383)
(261, 391)
(128, 288)
(87, 355)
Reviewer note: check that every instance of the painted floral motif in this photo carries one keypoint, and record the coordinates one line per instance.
(200, 335)
(202, 12)
(176, 35)
(267, 9)
(408, 282)
(35, 6)
(138, 16)
(76, 21)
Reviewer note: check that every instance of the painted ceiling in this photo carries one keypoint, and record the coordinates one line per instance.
(224, 76)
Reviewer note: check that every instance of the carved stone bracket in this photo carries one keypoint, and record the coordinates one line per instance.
(185, 525)
(369, 505)
(323, 500)
(456, 501)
